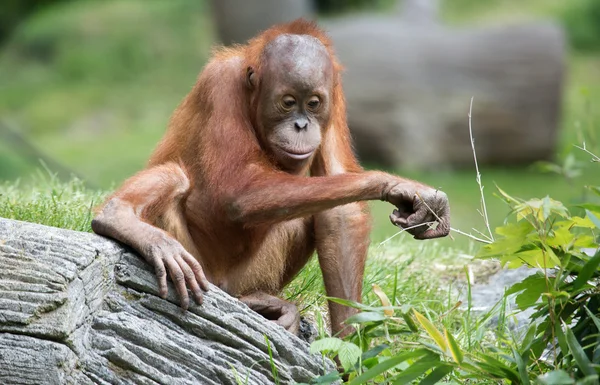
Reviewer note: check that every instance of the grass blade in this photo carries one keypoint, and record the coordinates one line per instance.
(593, 317)
(409, 322)
(582, 360)
(417, 369)
(364, 317)
(587, 271)
(593, 218)
(522, 367)
(387, 365)
(435, 376)
(274, 370)
(432, 331)
(455, 350)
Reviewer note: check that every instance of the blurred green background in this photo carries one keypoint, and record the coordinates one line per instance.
(88, 87)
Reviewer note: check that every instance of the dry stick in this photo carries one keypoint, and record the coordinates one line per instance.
(471, 236)
(404, 229)
(478, 178)
(595, 158)
(480, 233)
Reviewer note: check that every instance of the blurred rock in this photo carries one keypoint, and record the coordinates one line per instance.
(76, 308)
(418, 12)
(239, 20)
(408, 91)
(486, 296)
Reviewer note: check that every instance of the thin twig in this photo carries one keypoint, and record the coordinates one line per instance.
(404, 229)
(481, 233)
(478, 178)
(471, 236)
(595, 158)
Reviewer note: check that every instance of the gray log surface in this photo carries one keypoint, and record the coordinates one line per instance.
(408, 90)
(76, 308)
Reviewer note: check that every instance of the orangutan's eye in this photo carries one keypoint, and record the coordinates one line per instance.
(313, 103)
(288, 102)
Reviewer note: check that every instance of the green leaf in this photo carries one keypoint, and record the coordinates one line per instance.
(522, 366)
(560, 336)
(582, 222)
(455, 350)
(417, 369)
(495, 368)
(350, 303)
(374, 352)
(535, 257)
(593, 317)
(499, 248)
(513, 238)
(587, 272)
(331, 344)
(387, 365)
(540, 209)
(410, 322)
(528, 339)
(507, 198)
(583, 241)
(432, 331)
(590, 206)
(518, 230)
(561, 237)
(551, 258)
(593, 218)
(582, 360)
(555, 377)
(435, 376)
(364, 317)
(595, 189)
(531, 289)
(329, 378)
(348, 354)
(589, 380)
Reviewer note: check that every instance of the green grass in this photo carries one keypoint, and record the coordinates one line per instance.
(47, 201)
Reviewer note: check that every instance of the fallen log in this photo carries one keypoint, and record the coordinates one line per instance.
(76, 308)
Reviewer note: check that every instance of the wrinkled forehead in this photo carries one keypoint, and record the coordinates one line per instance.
(300, 59)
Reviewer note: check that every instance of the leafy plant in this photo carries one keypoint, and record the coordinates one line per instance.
(564, 334)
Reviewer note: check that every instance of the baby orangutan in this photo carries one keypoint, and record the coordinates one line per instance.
(255, 173)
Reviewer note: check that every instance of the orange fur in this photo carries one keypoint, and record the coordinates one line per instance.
(210, 185)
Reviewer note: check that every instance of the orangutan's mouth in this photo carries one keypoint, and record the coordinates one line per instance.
(298, 155)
